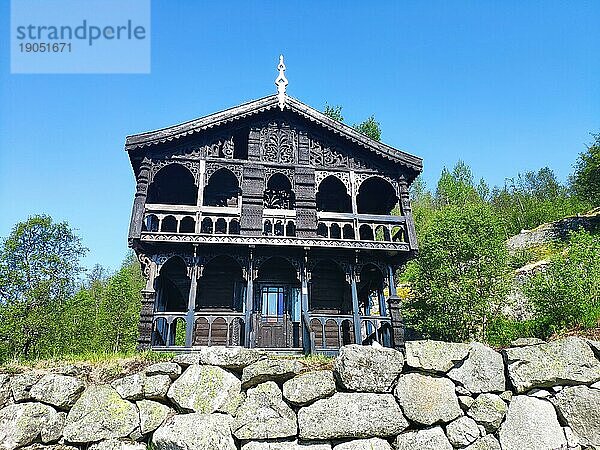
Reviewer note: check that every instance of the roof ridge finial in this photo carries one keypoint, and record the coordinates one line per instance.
(281, 82)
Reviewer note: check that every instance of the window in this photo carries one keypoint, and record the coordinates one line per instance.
(272, 303)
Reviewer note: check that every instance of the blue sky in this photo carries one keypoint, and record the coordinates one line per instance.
(506, 86)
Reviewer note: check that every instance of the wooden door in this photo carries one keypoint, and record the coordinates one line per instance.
(272, 322)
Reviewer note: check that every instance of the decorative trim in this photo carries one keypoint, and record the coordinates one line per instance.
(212, 167)
(192, 166)
(274, 240)
(344, 177)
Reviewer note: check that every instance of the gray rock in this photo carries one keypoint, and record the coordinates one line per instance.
(580, 407)
(130, 387)
(21, 384)
(232, 358)
(117, 444)
(51, 430)
(206, 389)
(171, 369)
(351, 415)
(435, 356)
(270, 369)
(100, 413)
(284, 445)
(428, 439)
(487, 442)
(539, 393)
(364, 444)
(595, 385)
(506, 396)
(531, 423)
(57, 390)
(195, 431)
(156, 387)
(38, 446)
(427, 399)
(308, 387)
(368, 368)
(524, 342)
(488, 410)
(465, 401)
(566, 361)
(187, 359)
(21, 424)
(5, 392)
(462, 431)
(152, 415)
(264, 415)
(482, 371)
(572, 439)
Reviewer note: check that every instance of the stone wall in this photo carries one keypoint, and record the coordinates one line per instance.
(438, 396)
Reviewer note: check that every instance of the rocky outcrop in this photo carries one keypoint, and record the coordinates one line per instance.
(446, 396)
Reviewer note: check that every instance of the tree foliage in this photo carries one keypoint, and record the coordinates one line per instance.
(567, 294)
(460, 277)
(586, 178)
(334, 112)
(370, 127)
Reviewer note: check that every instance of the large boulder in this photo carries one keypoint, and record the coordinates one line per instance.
(52, 429)
(118, 444)
(482, 371)
(284, 445)
(368, 368)
(428, 439)
(308, 387)
(566, 361)
(531, 423)
(487, 442)
(206, 389)
(364, 444)
(232, 358)
(270, 369)
(435, 356)
(156, 387)
(488, 410)
(171, 369)
(22, 423)
(57, 390)
(580, 407)
(195, 432)
(264, 415)
(152, 415)
(5, 392)
(351, 415)
(22, 383)
(462, 431)
(427, 399)
(130, 387)
(100, 413)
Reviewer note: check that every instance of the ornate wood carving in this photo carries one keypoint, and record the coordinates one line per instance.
(212, 167)
(278, 143)
(344, 177)
(192, 166)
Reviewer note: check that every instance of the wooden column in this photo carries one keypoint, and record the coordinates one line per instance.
(249, 301)
(407, 213)
(139, 202)
(306, 338)
(395, 313)
(189, 318)
(355, 308)
(146, 320)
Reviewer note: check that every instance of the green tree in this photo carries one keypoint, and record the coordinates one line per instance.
(567, 294)
(456, 187)
(369, 127)
(459, 279)
(39, 266)
(586, 178)
(334, 112)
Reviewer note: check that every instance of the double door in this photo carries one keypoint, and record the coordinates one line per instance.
(277, 316)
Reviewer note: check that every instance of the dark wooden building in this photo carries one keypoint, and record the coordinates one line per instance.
(269, 225)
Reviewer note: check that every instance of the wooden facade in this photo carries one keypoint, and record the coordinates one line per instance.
(269, 225)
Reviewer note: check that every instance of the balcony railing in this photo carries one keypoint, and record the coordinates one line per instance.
(363, 227)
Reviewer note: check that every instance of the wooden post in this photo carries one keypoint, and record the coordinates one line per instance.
(305, 320)
(249, 302)
(355, 309)
(146, 320)
(395, 313)
(189, 320)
